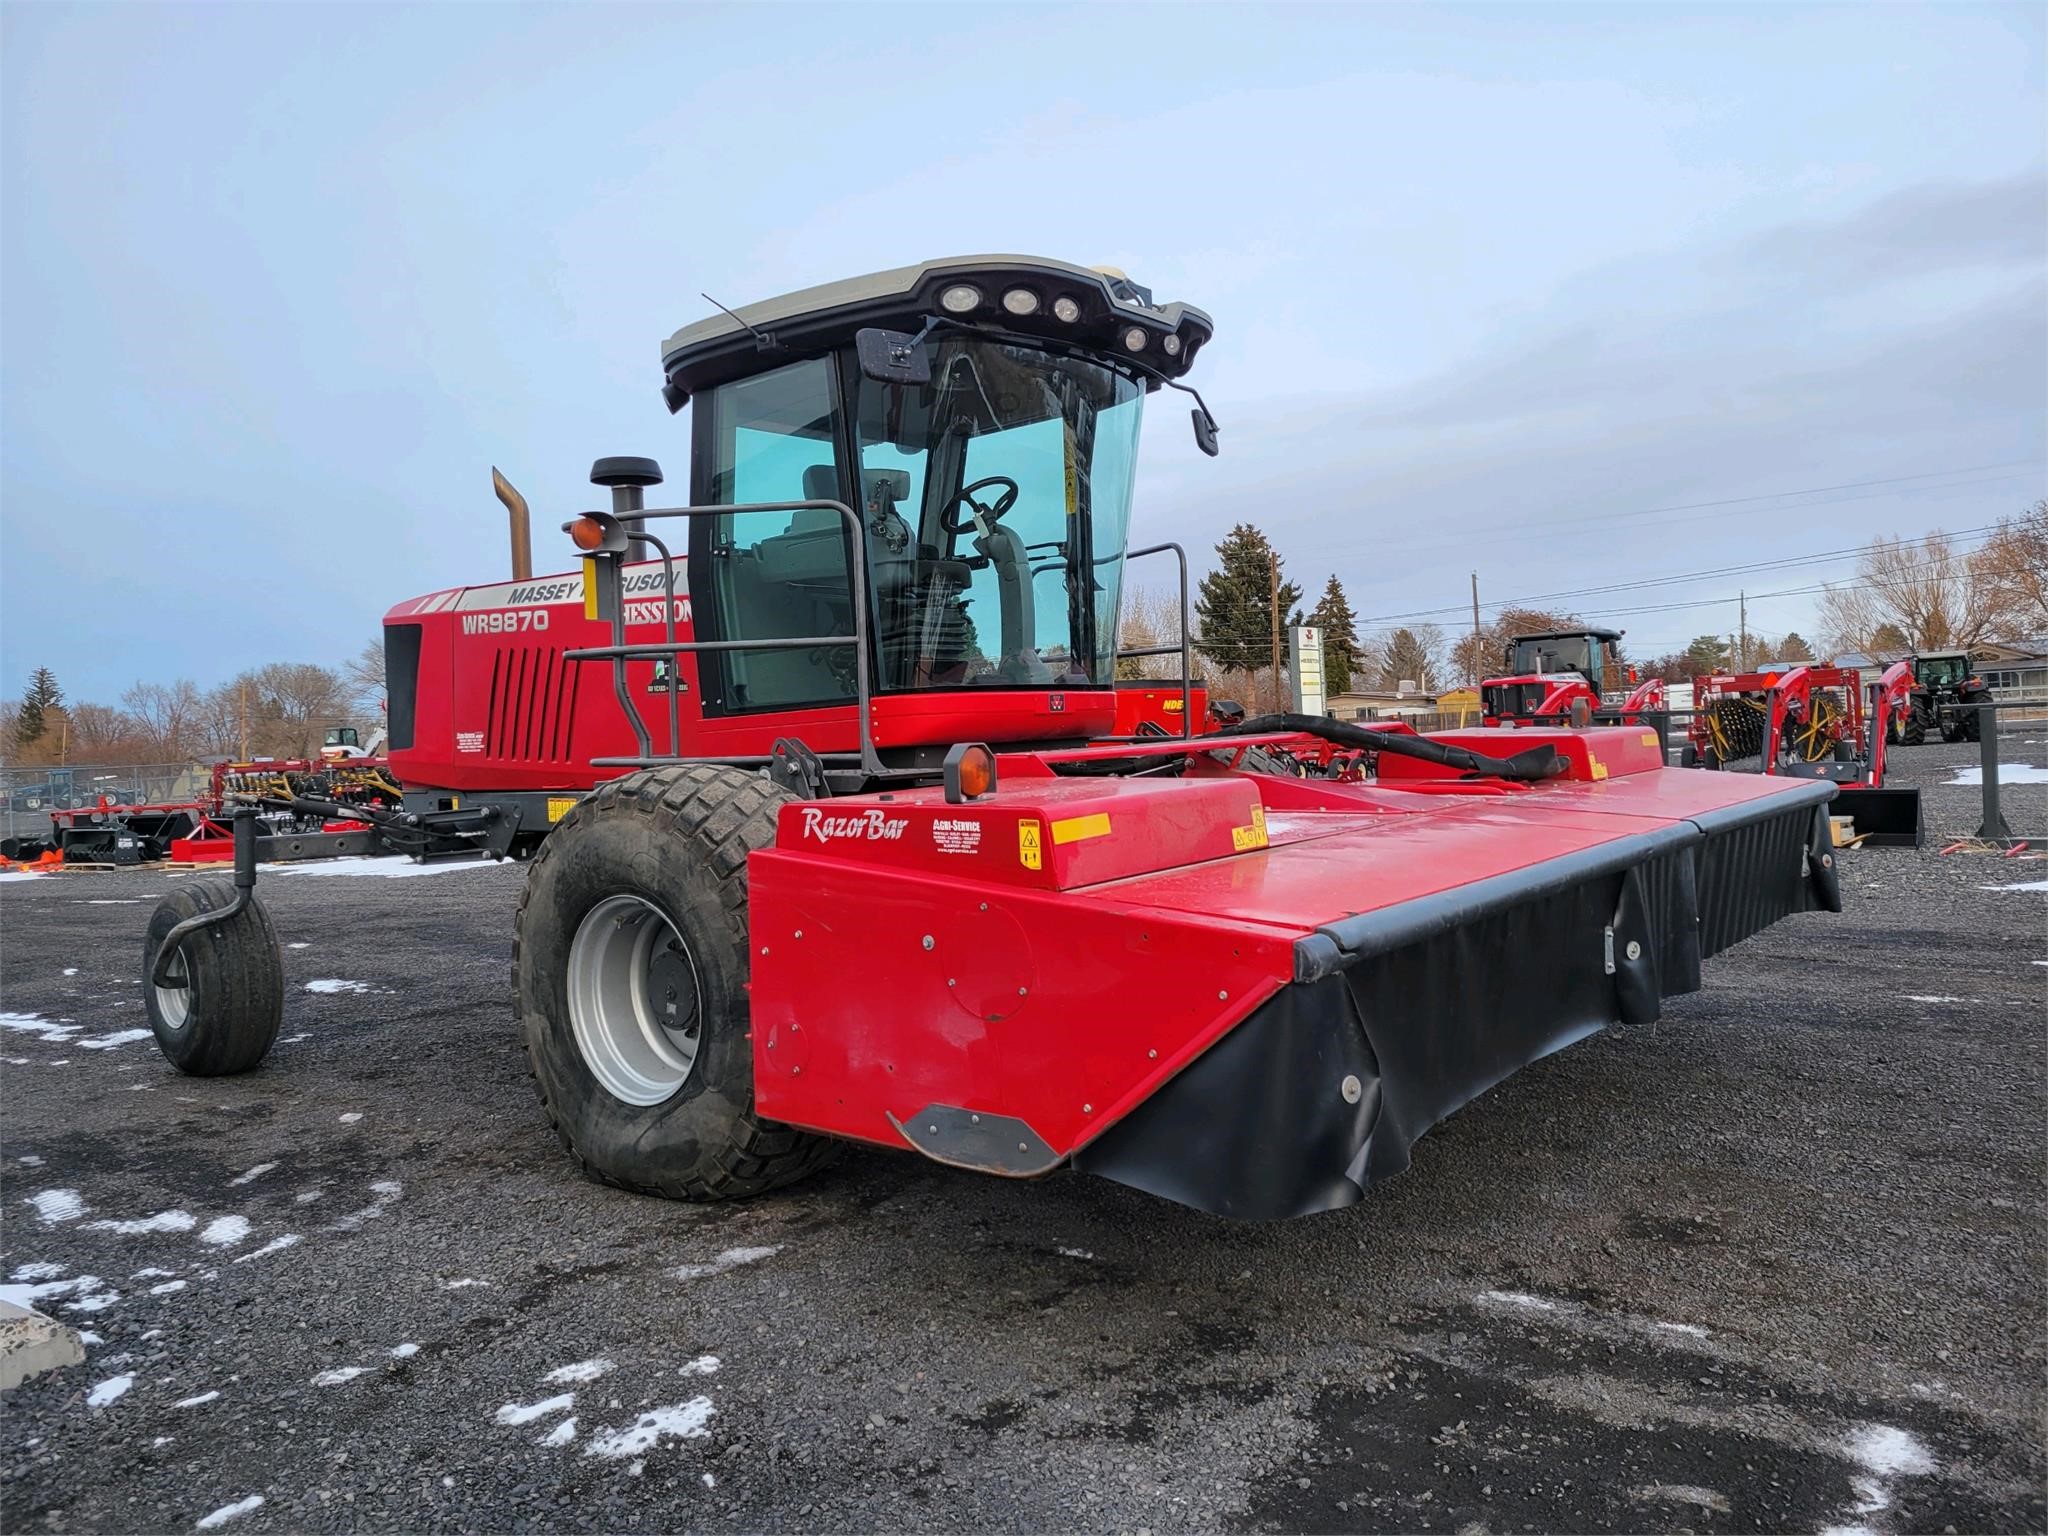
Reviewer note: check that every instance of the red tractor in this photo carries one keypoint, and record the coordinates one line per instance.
(1562, 675)
(859, 864)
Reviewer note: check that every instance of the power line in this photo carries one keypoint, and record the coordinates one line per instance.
(1782, 563)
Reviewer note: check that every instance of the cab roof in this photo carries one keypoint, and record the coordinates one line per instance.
(1110, 311)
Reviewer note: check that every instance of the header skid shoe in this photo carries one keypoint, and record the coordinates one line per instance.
(1252, 1011)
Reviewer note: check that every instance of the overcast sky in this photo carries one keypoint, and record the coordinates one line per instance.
(1493, 285)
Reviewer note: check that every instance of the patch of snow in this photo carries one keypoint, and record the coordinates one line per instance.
(404, 1351)
(703, 1365)
(194, 1402)
(338, 1375)
(679, 1421)
(298, 944)
(162, 1221)
(110, 901)
(351, 1117)
(70, 970)
(18, 874)
(118, 1038)
(561, 1434)
(225, 1231)
(1075, 1253)
(2008, 773)
(2031, 885)
(275, 1245)
(232, 1511)
(54, 1206)
(167, 1287)
(387, 1192)
(709, 1481)
(89, 1337)
(1912, 997)
(252, 1175)
(1517, 1299)
(30, 1160)
(582, 1370)
(1886, 1451)
(526, 1413)
(29, 1295)
(463, 1283)
(293, 1039)
(390, 869)
(1690, 1330)
(308, 1196)
(110, 1389)
(42, 1269)
(732, 1258)
(42, 1028)
(333, 984)
(98, 1301)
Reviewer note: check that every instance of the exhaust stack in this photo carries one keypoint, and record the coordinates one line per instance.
(522, 525)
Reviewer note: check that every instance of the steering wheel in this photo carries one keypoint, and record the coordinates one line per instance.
(993, 514)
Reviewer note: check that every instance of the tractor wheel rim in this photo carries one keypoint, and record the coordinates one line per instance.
(635, 1003)
(174, 999)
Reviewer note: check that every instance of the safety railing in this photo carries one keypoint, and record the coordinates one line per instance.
(610, 569)
(1185, 649)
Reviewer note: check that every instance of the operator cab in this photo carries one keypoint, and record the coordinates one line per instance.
(1941, 669)
(1538, 663)
(981, 417)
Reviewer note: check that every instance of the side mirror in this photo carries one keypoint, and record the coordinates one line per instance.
(892, 357)
(1205, 431)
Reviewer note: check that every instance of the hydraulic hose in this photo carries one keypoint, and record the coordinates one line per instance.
(1533, 765)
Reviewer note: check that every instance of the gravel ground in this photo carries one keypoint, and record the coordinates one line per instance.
(1774, 1263)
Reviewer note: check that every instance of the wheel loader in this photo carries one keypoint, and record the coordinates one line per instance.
(845, 847)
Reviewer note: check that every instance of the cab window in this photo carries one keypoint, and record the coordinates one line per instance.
(775, 575)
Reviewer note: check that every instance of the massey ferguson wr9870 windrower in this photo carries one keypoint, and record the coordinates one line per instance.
(859, 864)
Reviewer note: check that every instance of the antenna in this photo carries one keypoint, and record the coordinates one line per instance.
(762, 339)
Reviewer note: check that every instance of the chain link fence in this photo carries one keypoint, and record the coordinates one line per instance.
(28, 795)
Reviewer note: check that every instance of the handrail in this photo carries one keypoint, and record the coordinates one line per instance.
(612, 568)
(1184, 649)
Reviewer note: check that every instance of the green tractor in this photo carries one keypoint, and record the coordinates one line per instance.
(1945, 689)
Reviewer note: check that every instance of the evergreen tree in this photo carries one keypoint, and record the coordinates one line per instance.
(1235, 605)
(33, 719)
(1794, 648)
(1407, 659)
(1333, 616)
(1710, 652)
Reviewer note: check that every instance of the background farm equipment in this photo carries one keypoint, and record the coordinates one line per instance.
(1809, 722)
(1941, 701)
(1565, 676)
(867, 859)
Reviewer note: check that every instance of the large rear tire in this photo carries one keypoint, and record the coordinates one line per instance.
(629, 966)
(1914, 731)
(220, 1011)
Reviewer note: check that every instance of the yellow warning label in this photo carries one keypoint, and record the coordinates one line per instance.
(1030, 850)
(589, 607)
(1245, 839)
(1649, 738)
(559, 806)
(1599, 768)
(1076, 829)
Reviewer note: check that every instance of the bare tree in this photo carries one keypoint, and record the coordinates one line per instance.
(165, 716)
(2014, 564)
(1937, 596)
(1149, 617)
(363, 677)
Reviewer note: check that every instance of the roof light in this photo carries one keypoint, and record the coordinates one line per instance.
(1067, 308)
(960, 299)
(1134, 340)
(1021, 301)
(587, 533)
(1172, 345)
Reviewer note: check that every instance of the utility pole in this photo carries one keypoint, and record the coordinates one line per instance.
(242, 717)
(1479, 666)
(1734, 656)
(1273, 570)
(1743, 599)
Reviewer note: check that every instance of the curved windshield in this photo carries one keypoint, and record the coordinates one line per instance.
(1555, 653)
(995, 501)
